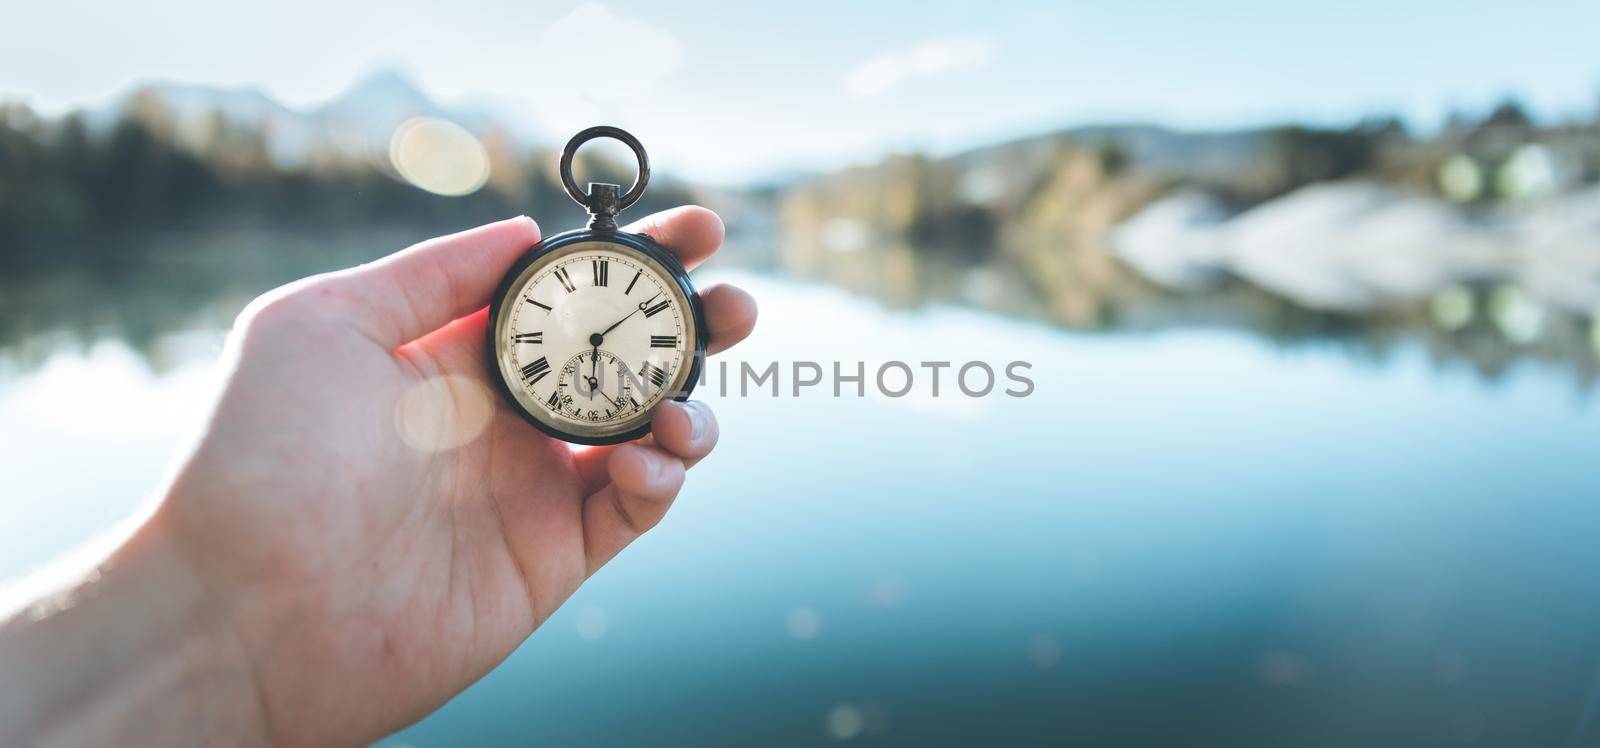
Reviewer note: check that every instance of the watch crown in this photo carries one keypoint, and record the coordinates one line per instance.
(605, 201)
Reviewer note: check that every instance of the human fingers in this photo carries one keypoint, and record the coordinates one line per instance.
(644, 482)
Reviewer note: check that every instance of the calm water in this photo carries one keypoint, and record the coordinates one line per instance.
(1193, 537)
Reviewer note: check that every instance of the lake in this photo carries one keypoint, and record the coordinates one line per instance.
(1182, 536)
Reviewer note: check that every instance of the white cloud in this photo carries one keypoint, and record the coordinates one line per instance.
(612, 56)
(590, 65)
(931, 57)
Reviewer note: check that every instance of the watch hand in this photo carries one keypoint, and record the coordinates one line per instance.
(594, 386)
(620, 321)
(643, 305)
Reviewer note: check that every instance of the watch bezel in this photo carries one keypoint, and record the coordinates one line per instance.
(669, 266)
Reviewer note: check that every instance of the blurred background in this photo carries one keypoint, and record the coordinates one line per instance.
(1311, 293)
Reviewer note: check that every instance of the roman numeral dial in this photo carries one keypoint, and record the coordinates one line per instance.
(536, 371)
(656, 374)
(566, 279)
(578, 351)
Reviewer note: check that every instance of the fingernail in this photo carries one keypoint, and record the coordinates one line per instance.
(697, 420)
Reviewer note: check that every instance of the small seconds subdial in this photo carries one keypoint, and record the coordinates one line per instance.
(595, 386)
(593, 337)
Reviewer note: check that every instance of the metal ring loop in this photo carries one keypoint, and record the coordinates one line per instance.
(615, 133)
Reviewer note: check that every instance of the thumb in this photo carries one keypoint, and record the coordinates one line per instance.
(420, 289)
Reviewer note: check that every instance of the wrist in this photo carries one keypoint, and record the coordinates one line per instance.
(131, 649)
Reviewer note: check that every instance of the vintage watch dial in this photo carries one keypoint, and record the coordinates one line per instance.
(590, 337)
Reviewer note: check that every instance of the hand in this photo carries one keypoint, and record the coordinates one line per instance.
(364, 528)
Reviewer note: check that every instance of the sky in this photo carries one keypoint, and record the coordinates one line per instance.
(733, 91)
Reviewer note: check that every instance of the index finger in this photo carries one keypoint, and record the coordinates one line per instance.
(692, 233)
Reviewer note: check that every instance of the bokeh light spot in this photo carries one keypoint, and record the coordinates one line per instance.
(1529, 173)
(442, 413)
(804, 623)
(1451, 308)
(1044, 651)
(1460, 178)
(845, 235)
(845, 721)
(887, 591)
(439, 156)
(1519, 316)
(1283, 668)
(592, 624)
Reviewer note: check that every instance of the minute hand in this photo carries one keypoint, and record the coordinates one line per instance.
(641, 307)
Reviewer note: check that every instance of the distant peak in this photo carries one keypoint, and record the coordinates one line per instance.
(387, 81)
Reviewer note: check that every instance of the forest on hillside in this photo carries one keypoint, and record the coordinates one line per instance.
(66, 185)
(1049, 205)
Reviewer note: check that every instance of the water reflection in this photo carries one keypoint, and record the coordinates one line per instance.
(1255, 547)
(173, 281)
(1509, 328)
(142, 286)
(1348, 544)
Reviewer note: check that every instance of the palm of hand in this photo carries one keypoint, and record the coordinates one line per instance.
(382, 513)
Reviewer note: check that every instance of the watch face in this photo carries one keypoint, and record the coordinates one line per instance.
(590, 336)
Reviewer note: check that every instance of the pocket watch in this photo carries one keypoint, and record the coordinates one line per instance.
(591, 328)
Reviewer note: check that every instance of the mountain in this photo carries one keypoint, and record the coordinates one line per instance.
(361, 120)
(357, 124)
